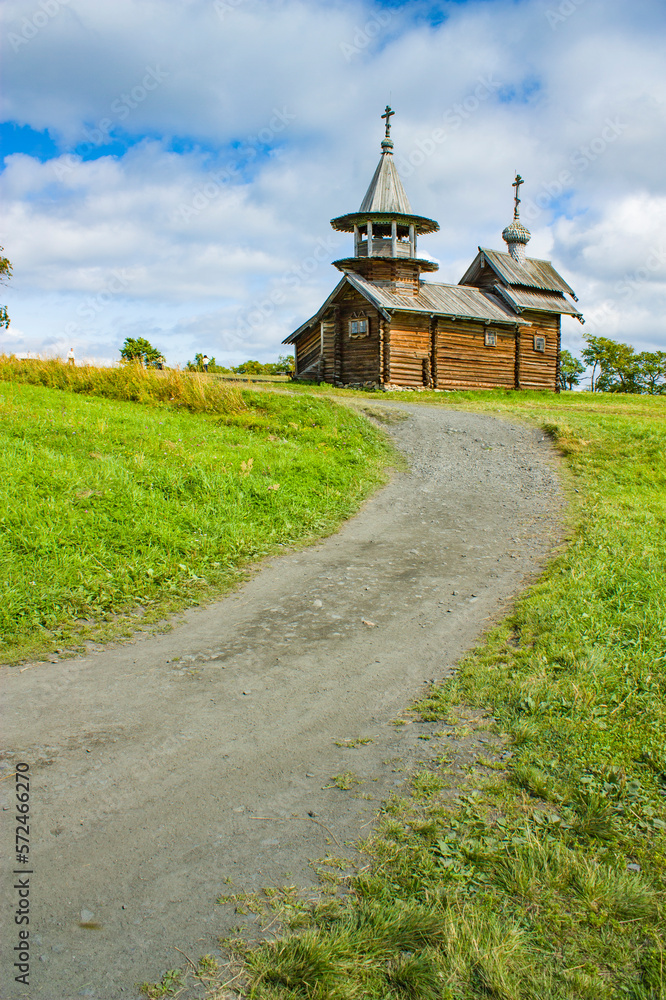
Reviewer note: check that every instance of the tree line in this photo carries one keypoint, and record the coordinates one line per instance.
(283, 366)
(138, 349)
(615, 368)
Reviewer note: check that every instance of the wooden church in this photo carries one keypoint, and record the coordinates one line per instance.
(382, 325)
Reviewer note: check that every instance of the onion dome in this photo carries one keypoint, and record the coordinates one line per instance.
(515, 235)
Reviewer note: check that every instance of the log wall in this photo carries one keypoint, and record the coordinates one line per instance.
(537, 370)
(308, 350)
(327, 368)
(409, 361)
(464, 361)
(418, 351)
(401, 275)
(359, 355)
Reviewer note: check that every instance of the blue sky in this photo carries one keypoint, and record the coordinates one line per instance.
(170, 166)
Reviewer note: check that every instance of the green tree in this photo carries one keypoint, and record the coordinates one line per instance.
(614, 366)
(652, 372)
(570, 371)
(5, 275)
(283, 366)
(198, 366)
(139, 349)
(251, 368)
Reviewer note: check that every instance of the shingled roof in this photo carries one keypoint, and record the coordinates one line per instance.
(531, 273)
(386, 195)
(433, 299)
(522, 298)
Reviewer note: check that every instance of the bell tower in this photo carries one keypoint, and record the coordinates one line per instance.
(385, 229)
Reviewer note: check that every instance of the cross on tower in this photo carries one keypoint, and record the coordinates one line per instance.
(518, 181)
(387, 114)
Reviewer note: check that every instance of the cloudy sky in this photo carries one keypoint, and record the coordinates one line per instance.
(170, 167)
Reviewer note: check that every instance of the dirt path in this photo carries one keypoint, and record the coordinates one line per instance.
(152, 760)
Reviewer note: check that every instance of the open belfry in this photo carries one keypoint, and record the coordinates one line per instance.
(382, 325)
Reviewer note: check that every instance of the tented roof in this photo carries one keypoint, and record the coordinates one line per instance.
(386, 194)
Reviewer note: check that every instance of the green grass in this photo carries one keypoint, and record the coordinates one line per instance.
(546, 881)
(106, 505)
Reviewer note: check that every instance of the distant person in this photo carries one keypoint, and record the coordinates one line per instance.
(205, 361)
(70, 357)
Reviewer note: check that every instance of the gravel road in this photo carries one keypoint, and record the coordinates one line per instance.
(163, 767)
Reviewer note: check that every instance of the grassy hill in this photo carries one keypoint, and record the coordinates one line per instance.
(107, 504)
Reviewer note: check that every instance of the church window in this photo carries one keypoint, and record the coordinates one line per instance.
(491, 339)
(540, 344)
(358, 326)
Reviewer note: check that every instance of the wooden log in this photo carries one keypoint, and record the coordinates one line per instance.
(337, 339)
(433, 351)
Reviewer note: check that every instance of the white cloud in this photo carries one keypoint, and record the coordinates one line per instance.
(225, 247)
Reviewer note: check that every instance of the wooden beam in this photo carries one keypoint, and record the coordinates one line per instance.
(516, 363)
(380, 350)
(433, 350)
(337, 346)
(387, 351)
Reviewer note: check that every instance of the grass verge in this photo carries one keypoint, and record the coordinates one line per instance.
(106, 505)
(546, 879)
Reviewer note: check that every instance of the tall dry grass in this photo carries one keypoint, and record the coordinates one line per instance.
(192, 391)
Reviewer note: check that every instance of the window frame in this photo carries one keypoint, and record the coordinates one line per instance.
(490, 338)
(356, 321)
(539, 337)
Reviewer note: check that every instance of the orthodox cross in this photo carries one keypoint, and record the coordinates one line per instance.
(387, 114)
(518, 181)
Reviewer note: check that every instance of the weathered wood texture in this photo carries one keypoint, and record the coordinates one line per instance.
(410, 350)
(418, 351)
(326, 370)
(465, 362)
(401, 274)
(537, 370)
(308, 350)
(360, 355)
